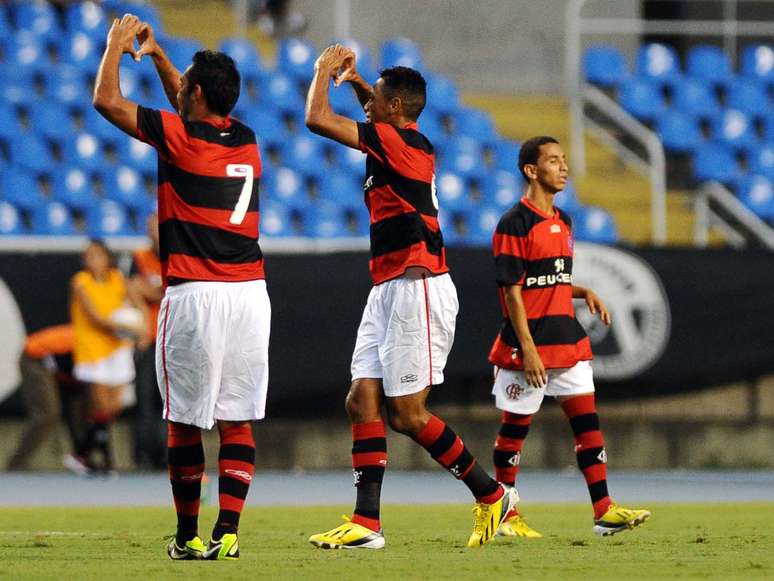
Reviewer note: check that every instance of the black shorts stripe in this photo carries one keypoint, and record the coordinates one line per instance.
(186, 455)
(179, 237)
(369, 445)
(234, 136)
(402, 231)
(370, 474)
(443, 443)
(550, 330)
(217, 193)
(589, 457)
(514, 431)
(584, 423)
(232, 487)
(239, 452)
(188, 491)
(598, 490)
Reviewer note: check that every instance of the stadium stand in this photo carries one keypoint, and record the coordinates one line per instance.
(721, 118)
(74, 173)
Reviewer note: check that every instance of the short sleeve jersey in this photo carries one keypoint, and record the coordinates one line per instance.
(208, 177)
(534, 250)
(401, 201)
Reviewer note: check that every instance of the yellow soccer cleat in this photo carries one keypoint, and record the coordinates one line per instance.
(618, 518)
(487, 517)
(515, 526)
(224, 549)
(349, 536)
(190, 550)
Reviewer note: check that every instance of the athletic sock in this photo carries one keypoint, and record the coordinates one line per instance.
(589, 449)
(186, 467)
(236, 466)
(449, 451)
(507, 450)
(369, 460)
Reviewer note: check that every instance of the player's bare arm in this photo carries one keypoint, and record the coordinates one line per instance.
(108, 99)
(168, 73)
(349, 74)
(593, 301)
(534, 370)
(320, 118)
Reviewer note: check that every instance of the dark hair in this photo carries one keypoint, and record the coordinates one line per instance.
(530, 151)
(104, 247)
(217, 75)
(409, 86)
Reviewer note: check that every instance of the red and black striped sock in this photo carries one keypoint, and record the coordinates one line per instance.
(449, 451)
(369, 460)
(589, 449)
(186, 467)
(508, 444)
(236, 466)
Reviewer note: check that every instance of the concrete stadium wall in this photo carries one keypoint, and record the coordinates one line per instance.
(488, 46)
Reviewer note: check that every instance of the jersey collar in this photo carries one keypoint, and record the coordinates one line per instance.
(538, 211)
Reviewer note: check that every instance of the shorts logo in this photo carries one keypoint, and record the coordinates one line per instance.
(514, 391)
(602, 456)
(410, 378)
(515, 460)
(239, 474)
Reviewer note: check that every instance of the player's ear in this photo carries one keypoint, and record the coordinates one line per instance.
(531, 170)
(396, 105)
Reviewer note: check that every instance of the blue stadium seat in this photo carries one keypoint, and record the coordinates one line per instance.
(275, 220)
(181, 50)
(102, 129)
(505, 153)
(431, 126)
(53, 123)
(52, 219)
(67, 84)
(344, 102)
(342, 188)
(38, 17)
(10, 128)
(678, 131)
(85, 150)
(605, 66)
(442, 93)
(768, 127)
(353, 160)
(16, 85)
(757, 62)
(503, 189)
(244, 53)
(268, 127)
(124, 185)
(6, 29)
(715, 162)
(567, 199)
(463, 155)
(281, 91)
(594, 225)
(10, 220)
(474, 123)
(363, 59)
(452, 192)
(451, 237)
(32, 154)
(286, 185)
(748, 96)
(761, 160)
(757, 193)
(73, 187)
(27, 50)
(642, 98)
(325, 219)
(21, 189)
(658, 62)
(696, 98)
(401, 52)
(143, 10)
(296, 57)
(139, 155)
(708, 63)
(482, 225)
(304, 153)
(81, 50)
(734, 128)
(88, 17)
(108, 218)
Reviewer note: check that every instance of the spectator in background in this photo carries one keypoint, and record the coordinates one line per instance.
(150, 431)
(48, 389)
(101, 353)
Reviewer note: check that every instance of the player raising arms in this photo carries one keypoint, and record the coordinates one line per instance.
(408, 323)
(541, 348)
(213, 327)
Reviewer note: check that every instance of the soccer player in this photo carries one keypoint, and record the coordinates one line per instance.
(213, 326)
(541, 348)
(408, 323)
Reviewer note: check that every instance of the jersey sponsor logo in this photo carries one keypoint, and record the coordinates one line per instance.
(559, 264)
(546, 280)
(514, 391)
(409, 378)
(638, 305)
(239, 474)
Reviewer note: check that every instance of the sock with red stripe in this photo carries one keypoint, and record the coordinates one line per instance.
(369, 460)
(589, 449)
(508, 444)
(236, 466)
(449, 451)
(186, 467)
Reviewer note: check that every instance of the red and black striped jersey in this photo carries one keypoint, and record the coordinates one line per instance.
(401, 201)
(208, 197)
(534, 250)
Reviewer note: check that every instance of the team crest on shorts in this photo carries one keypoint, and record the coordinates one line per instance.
(514, 391)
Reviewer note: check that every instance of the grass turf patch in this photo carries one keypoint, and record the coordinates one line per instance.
(729, 541)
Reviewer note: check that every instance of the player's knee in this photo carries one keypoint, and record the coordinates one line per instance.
(408, 423)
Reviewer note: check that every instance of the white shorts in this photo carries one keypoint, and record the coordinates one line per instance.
(114, 370)
(513, 393)
(406, 333)
(212, 353)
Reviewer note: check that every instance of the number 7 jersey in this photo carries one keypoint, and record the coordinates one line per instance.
(208, 176)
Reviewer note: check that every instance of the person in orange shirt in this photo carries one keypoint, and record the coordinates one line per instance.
(150, 431)
(102, 347)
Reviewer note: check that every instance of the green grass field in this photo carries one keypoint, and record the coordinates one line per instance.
(729, 541)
